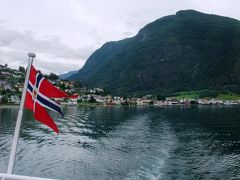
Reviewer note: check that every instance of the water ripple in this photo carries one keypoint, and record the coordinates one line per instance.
(127, 143)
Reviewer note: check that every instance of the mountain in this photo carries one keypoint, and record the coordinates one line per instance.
(67, 75)
(186, 51)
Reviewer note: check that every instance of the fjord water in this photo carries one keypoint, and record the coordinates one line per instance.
(200, 142)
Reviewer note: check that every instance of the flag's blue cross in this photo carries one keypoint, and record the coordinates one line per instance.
(40, 98)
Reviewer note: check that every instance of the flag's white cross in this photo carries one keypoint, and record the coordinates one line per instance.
(40, 98)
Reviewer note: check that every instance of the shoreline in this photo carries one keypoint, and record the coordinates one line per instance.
(120, 105)
(9, 105)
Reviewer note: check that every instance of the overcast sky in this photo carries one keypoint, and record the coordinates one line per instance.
(64, 33)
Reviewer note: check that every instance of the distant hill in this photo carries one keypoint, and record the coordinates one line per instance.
(186, 51)
(67, 75)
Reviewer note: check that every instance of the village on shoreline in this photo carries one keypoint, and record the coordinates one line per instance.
(148, 100)
(12, 81)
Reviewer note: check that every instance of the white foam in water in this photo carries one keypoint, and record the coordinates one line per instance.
(127, 143)
(150, 165)
(144, 148)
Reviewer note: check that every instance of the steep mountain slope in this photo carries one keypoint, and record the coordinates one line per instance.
(67, 75)
(186, 51)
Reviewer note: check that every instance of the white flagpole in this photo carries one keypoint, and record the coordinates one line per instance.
(19, 117)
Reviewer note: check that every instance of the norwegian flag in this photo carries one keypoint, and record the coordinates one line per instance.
(38, 97)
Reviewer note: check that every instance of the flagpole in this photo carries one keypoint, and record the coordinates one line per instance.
(19, 116)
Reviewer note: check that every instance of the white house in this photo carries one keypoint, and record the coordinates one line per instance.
(203, 101)
(216, 101)
(15, 99)
(5, 85)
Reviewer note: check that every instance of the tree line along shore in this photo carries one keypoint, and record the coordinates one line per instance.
(12, 81)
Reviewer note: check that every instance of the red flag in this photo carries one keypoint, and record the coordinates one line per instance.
(38, 97)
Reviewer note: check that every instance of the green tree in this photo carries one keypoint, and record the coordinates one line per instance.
(208, 93)
(79, 100)
(21, 69)
(62, 86)
(161, 97)
(4, 92)
(8, 91)
(4, 100)
(53, 76)
(78, 84)
(92, 99)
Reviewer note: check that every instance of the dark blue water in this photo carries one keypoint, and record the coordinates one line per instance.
(201, 142)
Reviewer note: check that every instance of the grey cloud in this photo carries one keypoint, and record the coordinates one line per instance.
(69, 32)
(47, 67)
(12, 57)
(15, 58)
(128, 34)
(26, 41)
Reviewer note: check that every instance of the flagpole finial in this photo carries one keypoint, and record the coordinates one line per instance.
(31, 55)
